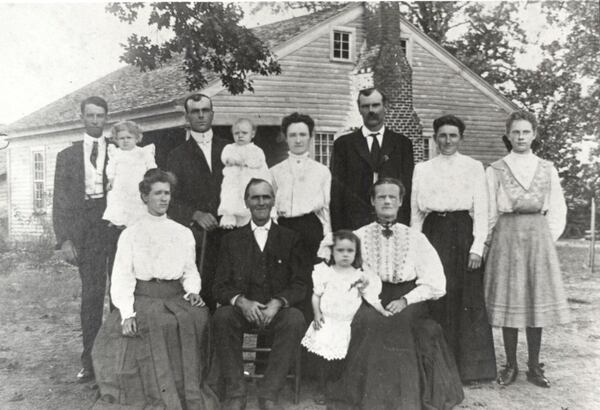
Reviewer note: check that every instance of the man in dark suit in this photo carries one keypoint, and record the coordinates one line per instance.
(262, 273)
(197, 165)
(362, 157)
(78, 204)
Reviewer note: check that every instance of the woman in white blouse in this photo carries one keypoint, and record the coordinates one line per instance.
(154, 349)
(302, 187)
(449, 205)
(527, 214)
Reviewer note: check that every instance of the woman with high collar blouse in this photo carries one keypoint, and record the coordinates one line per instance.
(302, 188)
(527, 214)
(449, 205)
(153, 350)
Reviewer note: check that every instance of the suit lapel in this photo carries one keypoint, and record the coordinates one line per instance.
(216, 149)
(78, 164)
(388, 146)
(198, 154)
(359, 143)
(272, 238)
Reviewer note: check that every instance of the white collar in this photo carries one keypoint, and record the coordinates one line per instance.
(89, 140)
(515, 156)
(266, 227)
(155, 218)
(367, 132)
(202, 137)
(298, 157)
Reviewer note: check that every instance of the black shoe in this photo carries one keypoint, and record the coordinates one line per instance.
(507, 375)
(85, 375)
(536, 376)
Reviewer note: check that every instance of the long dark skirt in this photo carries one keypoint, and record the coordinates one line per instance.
(397, 363)
(165, 366)
(311, 233)
(462, 311)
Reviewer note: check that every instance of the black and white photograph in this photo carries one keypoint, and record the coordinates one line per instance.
(360, 205)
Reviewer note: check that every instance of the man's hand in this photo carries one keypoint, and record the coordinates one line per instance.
(129, 327)
(251, 309)
(474, 261)
(206, 220)
(270, 310)
(69, 252)
(195, 300)
(109, 185)
(318, 320)
(396, 306)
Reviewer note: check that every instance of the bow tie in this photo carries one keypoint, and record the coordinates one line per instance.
(386, 230)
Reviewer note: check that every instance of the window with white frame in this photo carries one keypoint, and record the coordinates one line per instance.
(39, 180)
(429, 147)
(342, 44)
(323, 147)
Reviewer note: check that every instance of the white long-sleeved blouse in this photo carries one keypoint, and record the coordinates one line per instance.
(302, 186)
(153, 247)
(523, 169)
(404, 256)
(451, 183)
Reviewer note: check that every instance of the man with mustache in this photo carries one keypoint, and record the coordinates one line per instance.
(361, 158)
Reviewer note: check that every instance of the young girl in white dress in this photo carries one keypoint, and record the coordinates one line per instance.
(127, 164)
(243, 161)
(339, 287)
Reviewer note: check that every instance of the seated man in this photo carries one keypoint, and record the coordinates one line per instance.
(261, 274)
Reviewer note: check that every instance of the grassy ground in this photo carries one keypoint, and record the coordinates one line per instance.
(40, 342)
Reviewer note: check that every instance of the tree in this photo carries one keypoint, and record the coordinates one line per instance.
(207, 36)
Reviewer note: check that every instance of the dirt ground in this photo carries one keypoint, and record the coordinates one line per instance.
(40, 342)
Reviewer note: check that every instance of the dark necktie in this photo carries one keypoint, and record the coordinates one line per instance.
(94, 153)
(375, 150)
(386, 228)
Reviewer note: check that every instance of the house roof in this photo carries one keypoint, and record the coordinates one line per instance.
(128, 88)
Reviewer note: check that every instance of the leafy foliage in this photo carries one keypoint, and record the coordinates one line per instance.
(206, 35)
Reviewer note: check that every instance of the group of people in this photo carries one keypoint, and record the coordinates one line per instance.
(411, 265)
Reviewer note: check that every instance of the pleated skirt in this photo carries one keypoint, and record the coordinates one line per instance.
(397, 363)
(461, 312)
(165, 366)
(523, 283)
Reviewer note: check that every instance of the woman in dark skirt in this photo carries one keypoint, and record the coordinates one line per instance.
(153, 351)
(449, 205)
(523, 282)
(302, 188)
(399, 362)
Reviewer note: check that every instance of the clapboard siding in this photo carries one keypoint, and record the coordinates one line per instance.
(25, 223)
(310, 82)
(438, 89)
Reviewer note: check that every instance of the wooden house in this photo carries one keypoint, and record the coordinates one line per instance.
(324, 63)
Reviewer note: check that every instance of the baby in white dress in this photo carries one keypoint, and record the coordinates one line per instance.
(338, 290)
(127, 164)
(243, 161)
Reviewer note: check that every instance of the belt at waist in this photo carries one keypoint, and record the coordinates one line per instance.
(449, 213)
(158, 288)
(526, 212)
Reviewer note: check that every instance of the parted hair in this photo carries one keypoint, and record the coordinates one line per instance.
(94, 100)
(521, 115)
(449, 120)
(294, 118)
(256, 181)
(351, 236)
(154, 175)
(196, 97)
(368, 91)
(388, 180)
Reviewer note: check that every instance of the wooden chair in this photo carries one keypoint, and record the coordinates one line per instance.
(295, 376)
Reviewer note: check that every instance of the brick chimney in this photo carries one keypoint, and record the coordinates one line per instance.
(393, 75)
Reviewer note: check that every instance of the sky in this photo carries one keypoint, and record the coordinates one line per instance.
(51, 49)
